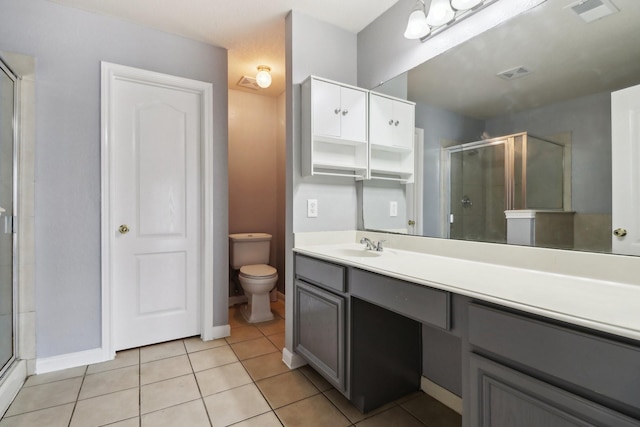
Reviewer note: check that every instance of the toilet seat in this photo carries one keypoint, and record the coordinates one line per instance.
(258, 271)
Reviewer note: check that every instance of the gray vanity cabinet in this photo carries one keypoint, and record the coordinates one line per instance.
(320, 318)
(529, 372)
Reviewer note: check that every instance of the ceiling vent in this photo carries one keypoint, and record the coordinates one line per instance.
(514, 73)
(248, 82)
(591, 10)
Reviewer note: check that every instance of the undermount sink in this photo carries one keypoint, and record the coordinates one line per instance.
(357, 252)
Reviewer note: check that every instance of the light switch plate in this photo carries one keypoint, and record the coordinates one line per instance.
(312, 208)
(393, 208)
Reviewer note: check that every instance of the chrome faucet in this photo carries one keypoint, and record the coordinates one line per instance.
(372, 246)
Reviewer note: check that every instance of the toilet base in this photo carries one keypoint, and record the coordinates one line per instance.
(258, 309)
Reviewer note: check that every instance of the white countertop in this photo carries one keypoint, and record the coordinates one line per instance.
(603, 305)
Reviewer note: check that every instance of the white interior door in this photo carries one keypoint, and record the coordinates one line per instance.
(154, 140)
(625, 129)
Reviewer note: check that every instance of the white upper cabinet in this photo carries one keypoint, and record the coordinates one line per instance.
(334, 129)
(392, 121)
(339, 111)
(391, 138)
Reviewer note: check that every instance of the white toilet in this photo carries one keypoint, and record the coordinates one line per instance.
(249, 253)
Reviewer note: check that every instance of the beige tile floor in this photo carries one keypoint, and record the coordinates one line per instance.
(239, 381)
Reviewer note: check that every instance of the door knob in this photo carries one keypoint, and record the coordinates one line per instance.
(123, 229)
(619, 232)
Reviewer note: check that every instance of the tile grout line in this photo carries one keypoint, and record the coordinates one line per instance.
(75, 404)
(195, 377)
(139, 388)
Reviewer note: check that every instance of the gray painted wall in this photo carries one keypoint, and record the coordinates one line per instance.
(384, 53)
(68, 45)
(588, 119)
(376, 198)
(439, 125)
(321, 49)
(327, 51)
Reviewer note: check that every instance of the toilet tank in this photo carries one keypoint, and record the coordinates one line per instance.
(249, 249)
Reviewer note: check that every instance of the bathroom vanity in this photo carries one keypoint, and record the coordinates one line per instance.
(358, 317)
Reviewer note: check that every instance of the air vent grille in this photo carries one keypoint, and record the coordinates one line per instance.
(248, 82)
(514, 73)
(591, 10)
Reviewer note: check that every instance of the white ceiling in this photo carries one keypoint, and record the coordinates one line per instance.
(252, 30)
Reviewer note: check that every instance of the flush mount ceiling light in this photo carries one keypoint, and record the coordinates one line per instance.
(263, 78)
(442, 14)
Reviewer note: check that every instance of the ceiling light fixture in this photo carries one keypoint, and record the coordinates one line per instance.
(442, 14)
(263, 78)
(417, 26)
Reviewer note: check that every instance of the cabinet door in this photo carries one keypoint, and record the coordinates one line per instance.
(381, 120)
(326, 109)
(404, 124)
(319, 333)
(354, 114)
(503, 397)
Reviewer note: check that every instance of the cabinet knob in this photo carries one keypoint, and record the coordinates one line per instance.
(345, 112)
(390, 122)
(397, 122)
(123, 229)
(619, 232)
(411, 222)
(337, 111)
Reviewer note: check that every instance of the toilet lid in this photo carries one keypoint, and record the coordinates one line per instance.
(258, 270)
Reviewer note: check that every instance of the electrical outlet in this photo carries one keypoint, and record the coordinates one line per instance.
(312, 208)
(393, 208)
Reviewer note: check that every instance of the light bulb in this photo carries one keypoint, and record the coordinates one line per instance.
(263, 78)
(465, 4)
(417, 27)
(440, 13)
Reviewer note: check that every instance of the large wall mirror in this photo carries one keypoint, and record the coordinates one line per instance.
(515, 132)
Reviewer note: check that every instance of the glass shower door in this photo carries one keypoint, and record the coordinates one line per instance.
(478, 192)
(7, 198)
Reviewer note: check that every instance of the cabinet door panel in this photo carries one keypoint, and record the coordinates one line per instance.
(503, 397)
(404, 124)
(354, 114)
(319, 334)
(326, 100)
(381, 114)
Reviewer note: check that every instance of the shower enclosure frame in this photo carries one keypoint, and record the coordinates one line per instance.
(13, 215)
(509, 174)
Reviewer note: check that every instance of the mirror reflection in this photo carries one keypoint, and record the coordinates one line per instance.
(513, 138)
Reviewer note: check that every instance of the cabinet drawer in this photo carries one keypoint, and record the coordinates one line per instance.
(424, 304)
(324, 274)
(603, 368)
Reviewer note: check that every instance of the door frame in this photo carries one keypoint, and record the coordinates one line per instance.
(109, 74)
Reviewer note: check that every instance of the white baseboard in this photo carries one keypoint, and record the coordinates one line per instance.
(216, 332)
(441, 394)
(11, 384)
(70, 360)
(292, 360)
